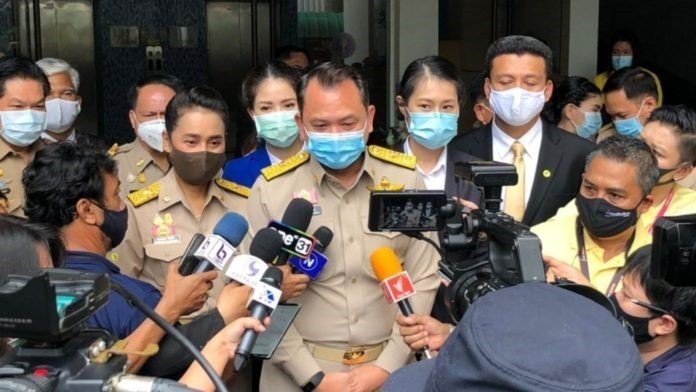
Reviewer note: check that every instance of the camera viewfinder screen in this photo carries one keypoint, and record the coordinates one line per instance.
(403, 212)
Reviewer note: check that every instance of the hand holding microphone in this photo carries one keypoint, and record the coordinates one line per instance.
(394, 282)
(420, 331)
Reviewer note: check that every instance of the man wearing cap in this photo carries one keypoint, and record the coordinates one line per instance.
(344, 337)
(530, 337)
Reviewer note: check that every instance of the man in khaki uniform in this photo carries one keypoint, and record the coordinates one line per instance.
(345, 334)
(22, 120)
(143, 161)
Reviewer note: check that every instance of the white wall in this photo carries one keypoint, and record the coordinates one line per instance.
(583, 38)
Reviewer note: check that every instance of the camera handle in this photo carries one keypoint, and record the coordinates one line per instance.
(419, 236)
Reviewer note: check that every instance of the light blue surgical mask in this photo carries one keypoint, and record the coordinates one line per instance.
(618, 62)
(432, 130)
(589, 128)
(336, 150)
(278, 128)
(22, 127)
(630, 126)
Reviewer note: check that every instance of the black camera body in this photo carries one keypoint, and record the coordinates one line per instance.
(673, 257)
(45, 314)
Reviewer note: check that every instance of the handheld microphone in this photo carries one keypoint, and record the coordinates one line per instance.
(394, 281)
(312, 265)
(218, 248)
(292, 227)
(248, 269)
(189, 262)
(263, 301)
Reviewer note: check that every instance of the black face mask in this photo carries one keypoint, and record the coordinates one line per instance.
(115, 224)
(602, 219)
(638, 325)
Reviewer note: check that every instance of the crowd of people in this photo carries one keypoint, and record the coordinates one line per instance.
(598, 162)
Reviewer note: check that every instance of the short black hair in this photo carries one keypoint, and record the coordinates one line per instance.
(330, 74)
(634, 81)
(21, 68)
(679, 301)
(59, 176)
(520, 45)
(18, 240)
(572, 90)
(275, 70)
(164, 79)
(476, 91)
(631, 39)
(196, 97)
(631, 150)
(682, 121)
(435, 66)
(284, 52)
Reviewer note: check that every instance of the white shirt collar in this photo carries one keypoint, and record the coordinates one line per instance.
(435, 180)
(530, 140)
(274, 159)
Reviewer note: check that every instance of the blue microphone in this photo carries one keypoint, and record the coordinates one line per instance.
(312, 265)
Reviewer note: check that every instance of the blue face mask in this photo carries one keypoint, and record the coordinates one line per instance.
(618, 62)
(432, 130)
(630, 126)
(278, 128)
(22, 127)
(336, 150)
(589, 128)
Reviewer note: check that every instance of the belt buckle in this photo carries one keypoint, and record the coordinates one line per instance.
(353, 357)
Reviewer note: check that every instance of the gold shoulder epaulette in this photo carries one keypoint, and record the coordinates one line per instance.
(233, 187)
(286, 166)
(144, 195)
(113, 150)
(391, 156)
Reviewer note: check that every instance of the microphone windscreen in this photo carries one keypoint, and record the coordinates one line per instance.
(385, 263)
(232, 227)
(266, 245)
(273, 277)
(298, 214)
(323, 235)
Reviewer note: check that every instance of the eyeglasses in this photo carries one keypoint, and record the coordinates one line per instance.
(646, 305)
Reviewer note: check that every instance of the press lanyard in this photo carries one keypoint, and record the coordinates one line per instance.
(663, 209)
(584, 265)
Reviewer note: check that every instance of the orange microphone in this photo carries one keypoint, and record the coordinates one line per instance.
(394, 281)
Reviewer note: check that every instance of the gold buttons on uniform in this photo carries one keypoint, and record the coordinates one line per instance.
(140, 162)
(141, 178)
(167, 199)
(1, 172)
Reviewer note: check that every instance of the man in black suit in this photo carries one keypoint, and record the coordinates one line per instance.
(549, 160)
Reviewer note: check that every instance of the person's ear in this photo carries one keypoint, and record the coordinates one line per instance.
(568, 111)
(86, 211)
(133, 120)
(401, 104)
(683, 171)
(645, 204)
(548, 90)
(251, 114)
(300, 126)
(487, 88)
(370, 119)
(665, 325)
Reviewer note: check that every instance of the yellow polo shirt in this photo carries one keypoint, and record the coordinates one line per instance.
(683, 203)
(558, 241)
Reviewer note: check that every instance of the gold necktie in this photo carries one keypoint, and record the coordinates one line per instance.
(514, 195)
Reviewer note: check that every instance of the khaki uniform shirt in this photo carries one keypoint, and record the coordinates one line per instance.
(136, 168)
(11, 167)
(160, 230)
(344, 307)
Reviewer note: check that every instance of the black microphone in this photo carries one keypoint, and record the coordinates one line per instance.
(189, 262)
(295, 221)
(248, 269)
(324, 236)
(263, 301)
(217, 249)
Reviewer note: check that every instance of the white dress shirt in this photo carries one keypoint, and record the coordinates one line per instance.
(531, 141)
(274, 159)
(71, 138)
(435, 180)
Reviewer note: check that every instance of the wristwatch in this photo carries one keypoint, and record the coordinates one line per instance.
(313, 382)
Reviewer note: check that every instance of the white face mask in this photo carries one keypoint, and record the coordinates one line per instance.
(517, 106)
(61, 114)
(151, 133)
